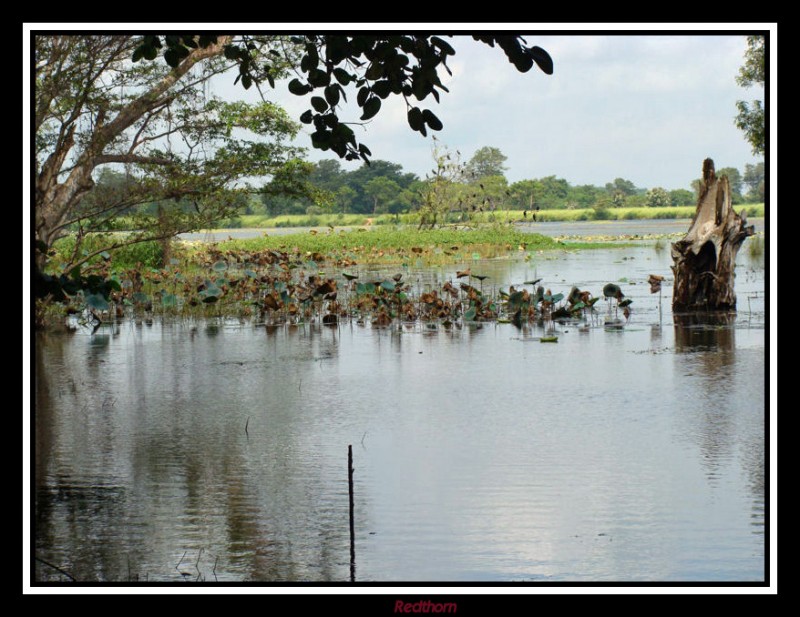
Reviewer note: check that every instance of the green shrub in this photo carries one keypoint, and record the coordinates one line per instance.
(149, 254)
(601, 213)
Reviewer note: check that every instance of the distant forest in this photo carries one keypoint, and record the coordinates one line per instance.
(479, 183)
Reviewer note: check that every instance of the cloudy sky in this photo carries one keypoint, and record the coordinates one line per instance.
(645, 107)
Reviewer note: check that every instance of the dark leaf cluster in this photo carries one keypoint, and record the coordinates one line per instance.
(376, 66)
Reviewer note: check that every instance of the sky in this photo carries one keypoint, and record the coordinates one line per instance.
(648, 108)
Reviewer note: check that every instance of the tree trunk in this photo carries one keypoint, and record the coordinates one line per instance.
(704, 259)
(166, 241)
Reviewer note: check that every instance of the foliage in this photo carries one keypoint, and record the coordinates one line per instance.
(444, 191)
(735, 182)
(754, 178)
(751, 119)
(377, 66)
(621, 188)
(178, 155)
(383, 193)
(657, 198)
(681, 197)
(601, 209)
(487, 161)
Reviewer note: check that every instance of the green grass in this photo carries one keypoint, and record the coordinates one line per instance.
(148, 254)
(500, 216)
(260, 221)
(489, 241)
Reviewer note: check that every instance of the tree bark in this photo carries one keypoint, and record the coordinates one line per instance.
(704, 260)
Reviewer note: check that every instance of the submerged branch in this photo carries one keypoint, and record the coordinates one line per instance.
(59, 570)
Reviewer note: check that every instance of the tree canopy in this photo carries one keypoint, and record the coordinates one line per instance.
(751, 118)
(170, 141)
(487, 161)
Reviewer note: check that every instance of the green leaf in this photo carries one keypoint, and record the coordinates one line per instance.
(542, 59)
(140, 297)
(321, 139)
(342, 76)
(168, 300)
(515, 298)
(371, 107)
(318, 78)
(231, 52)
(97, 302)
(298, 88)
(211, 290)
(443, 45)
(431, 120)
(319, 104)
(611, 290)
(150, 52)
(469, 314)
(415, 120)
(332, 95)
(388, 285)
(382, 88)
(220, 266)
(172, 58)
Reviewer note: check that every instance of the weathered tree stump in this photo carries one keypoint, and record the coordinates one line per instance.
(704, 259)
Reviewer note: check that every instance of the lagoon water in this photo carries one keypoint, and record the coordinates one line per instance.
(217, 451)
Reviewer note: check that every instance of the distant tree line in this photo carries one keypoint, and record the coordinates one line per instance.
(383, 187)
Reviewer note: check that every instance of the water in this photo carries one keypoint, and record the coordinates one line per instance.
(218, 452)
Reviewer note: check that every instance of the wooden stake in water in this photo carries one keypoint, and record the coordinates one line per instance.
(352, 525)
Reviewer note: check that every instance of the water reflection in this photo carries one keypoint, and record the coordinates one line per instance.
(724, 405)
(705, 332)
(217, 451)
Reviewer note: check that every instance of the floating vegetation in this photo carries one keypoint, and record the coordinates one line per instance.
(276, 284)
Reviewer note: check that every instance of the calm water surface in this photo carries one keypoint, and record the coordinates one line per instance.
(218, 451)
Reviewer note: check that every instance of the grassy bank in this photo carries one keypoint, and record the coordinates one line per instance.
(499, 216)
(488, 241)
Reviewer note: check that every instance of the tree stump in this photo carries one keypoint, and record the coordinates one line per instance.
(704, 259)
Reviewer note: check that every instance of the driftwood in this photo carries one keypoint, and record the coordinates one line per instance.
(704, 259)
